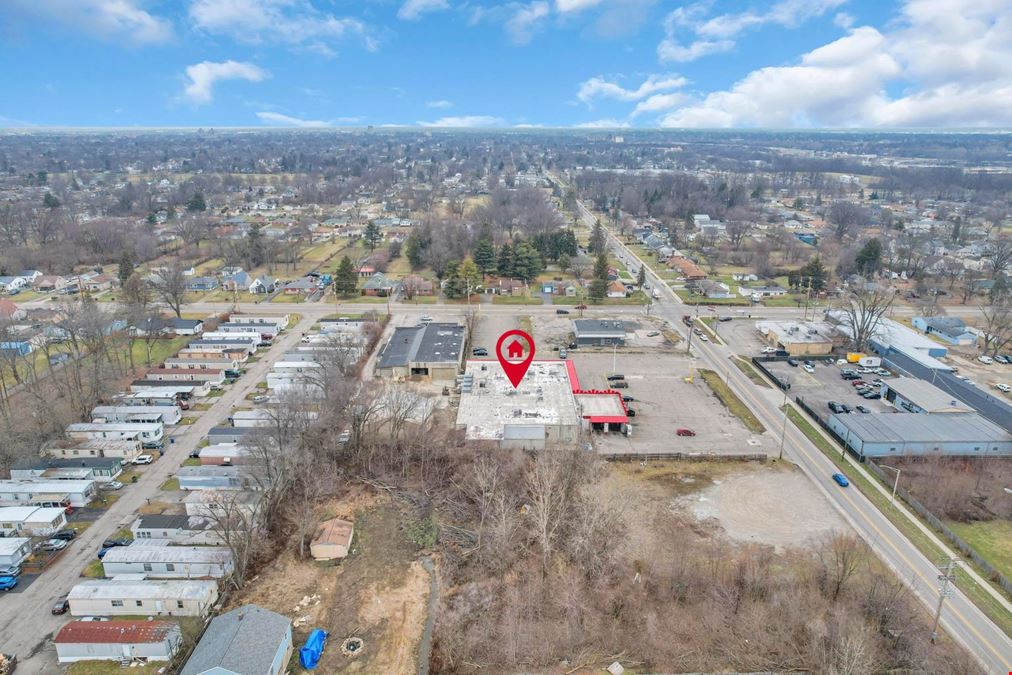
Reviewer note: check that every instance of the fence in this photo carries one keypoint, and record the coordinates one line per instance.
(933, 520)
(919, 508)
(687, 456)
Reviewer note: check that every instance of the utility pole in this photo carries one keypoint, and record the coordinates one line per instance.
(895, 482)
(944, 591)
(783, 430)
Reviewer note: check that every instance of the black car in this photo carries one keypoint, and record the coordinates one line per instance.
(630, 412)
(835, 407)
(844, 408)
(617, 376)
(862, 409)
(111, 543)
(809, 363)
(479, 351)
(792, 362)
(872, 395)
(562, 311)
(65, 535)
(627, 399)
(61, 606)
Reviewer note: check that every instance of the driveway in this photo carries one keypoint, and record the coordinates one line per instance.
(26, 626)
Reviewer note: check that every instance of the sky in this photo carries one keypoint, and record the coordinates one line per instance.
(486, 63)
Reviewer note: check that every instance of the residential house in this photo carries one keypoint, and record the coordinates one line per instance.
(169, 562)
(12, 284)
(30, 276)
(378, 285)
(209, 503)
(715, 290)
(117, 640)
(759, 292)
(686, 269)
(227, 434)
(263, 285)
(126, 450)
(303, 286)
(332, 540)
(948, 328)
(35, 521)
(75, 493)
(185, 326)
(216, 477)
(176, 529)
(366, 271)
(13, 550)
(500, 286)
(9, 311)
(50, 283)
(237, 281)
(202, 284)
(248, 640)
(150, 597)
(100, 469)
(617, 289)
(99, 282)
(414, 284)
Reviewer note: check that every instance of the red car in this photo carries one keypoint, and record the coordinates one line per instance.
(857, 383)
(685, 432)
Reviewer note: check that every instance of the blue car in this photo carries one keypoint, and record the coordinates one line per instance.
(7, 583)
(841, 480)
(103, 551)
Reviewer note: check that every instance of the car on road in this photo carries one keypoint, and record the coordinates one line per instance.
(835, 407)
(10, 571)
(426, 319)
(618, 384)
(630, 412)
(562, 311)
(685, 432)
(110, 485)
(7, 583)
(112, 543)
(653, 333)
(563, 353)
(479, 351)
(841, 480)
(259, 398)
(793, 363)
(143, 459)
(808, 368)
(66, 535)
(845, 408)
(862, 409)
(1001, 386)
(61, 605)
(53, 545)
(704, 338)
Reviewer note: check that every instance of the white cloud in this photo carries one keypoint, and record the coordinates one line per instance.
(465, 121)
(599, 87)
(844, 20)
(564, 6)
(294, 22)
(439, 104)
(658, 103)
(413, 9)
(716, 34)
(277, 119)
(203, 76)
(107, 19)
(951, 60)
(603, 124)
(525, 21)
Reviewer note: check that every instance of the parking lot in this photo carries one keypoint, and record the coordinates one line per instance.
(740, 335)
(642, 332)
(665, 402)
(825, 385)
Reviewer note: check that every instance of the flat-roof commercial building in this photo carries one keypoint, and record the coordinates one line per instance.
(433, 351)
(599, 332)
(548, 409)
(919, 396)
(898, 434)
(121, 597)
(800, 338)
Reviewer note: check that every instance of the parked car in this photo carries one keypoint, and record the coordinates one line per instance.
(883, 372)
(66, 535)
(53, 545)
(841, 480)
(7, 583)
(1001, 358)
(768, 350)
(259, 398)
(1001, 386)
(857, 383)
(143, 459)
(986, 360)
(562, 311)
(102, 552)
(479, 351)
(563, 353)
(630, 412)
(10, 571)
(426, 319)
(110, 485)
(793, 363)
(862, 409)
(619, 384)
(872, 395)
(653, 333)
(685, 432)
(628, 399)
(809, 362)
(616, 376)
(808, 369)
(112, 543)
(703, 338)
(835, 407)
(60, 606)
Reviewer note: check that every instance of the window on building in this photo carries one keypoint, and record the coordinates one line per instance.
(147, 567)
(169, 567)
(140, 603)
(117, 603)
(179, 604)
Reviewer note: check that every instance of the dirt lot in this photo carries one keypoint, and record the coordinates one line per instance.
(378, 593)
(984, 376)
(664, 403)
(555, 330)
(825, 385)
(491, 326)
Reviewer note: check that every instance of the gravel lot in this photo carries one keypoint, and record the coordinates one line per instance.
(770, 506)
(664, 403)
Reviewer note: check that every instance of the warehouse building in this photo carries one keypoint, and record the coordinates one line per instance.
(909, 394)
(598, 332)
(898, 434)
(799, 338)
(434, 351)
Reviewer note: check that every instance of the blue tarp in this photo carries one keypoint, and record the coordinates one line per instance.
(310, 653)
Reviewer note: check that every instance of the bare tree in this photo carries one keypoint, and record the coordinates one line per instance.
(863, 312)
(840, 558)
(170, 285)
(237, 519)
(999, 254)
(997, 325)
(847, 217)
(399, 405)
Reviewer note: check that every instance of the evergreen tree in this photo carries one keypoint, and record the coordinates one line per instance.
(256, 252)
(957, 230)
(526, 262)
(564, 263)
(641, 278)
(126, 267)
(414, 251)
(869, 258)
(455, 286)
(597, 238)
(152, 219)
(813, 275)
(50, 202)
(484, 256)
(372, 235)
(470, 275)
(504, 265)
(599, 284)
(345, 278)
(196, 202)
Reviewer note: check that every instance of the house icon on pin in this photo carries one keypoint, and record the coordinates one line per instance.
(515, 350)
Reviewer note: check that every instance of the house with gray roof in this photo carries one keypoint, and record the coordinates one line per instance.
(249, 640)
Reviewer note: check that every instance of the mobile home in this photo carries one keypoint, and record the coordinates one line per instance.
(118, 597)
(149, 434)
(57, 493)
(72, 448)
(169, 562)
(165, 414)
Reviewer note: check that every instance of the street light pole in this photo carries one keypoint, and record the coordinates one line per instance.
(896, 482)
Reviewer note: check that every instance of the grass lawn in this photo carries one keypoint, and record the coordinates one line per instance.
(228, 296)
(420, 300)
(28, 296)
(526, 325)
(190, 461)
(104, 500)
(515, 300)
(991, 539)
(160, 350)
(343, 315)
(282, 298)
(363, 299)
(170, 484)
(750, 372)
(694, 299)
(93, 570)
(987, 604)
(113, 667)
(731, 401)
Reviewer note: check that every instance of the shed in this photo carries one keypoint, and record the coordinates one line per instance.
(333, 539)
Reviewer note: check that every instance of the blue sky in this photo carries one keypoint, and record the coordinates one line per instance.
(557, 63)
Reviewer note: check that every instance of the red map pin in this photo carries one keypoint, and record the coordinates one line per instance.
(512, 361)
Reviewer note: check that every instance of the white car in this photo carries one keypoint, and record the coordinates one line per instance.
(144, 459)
(986, 360)
(260, 398)
(807, 368)
(768, 350)
(703, 338)
(110, 485)
(1001, 386)
(426, 319)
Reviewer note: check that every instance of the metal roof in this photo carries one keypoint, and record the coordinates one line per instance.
(170, 554)
(118, 631)
(130, 589)
(923, 428)
(429, 343)
(926, 395)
